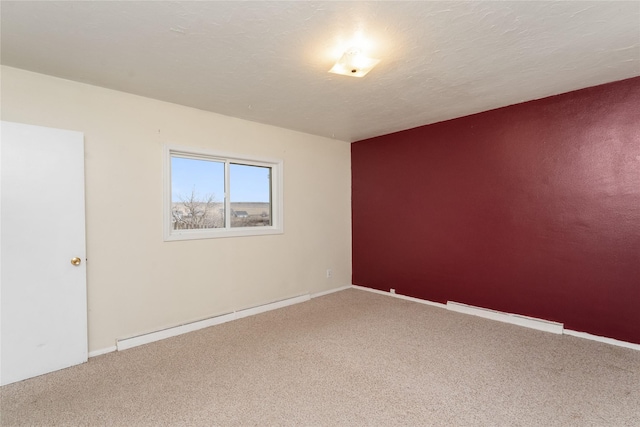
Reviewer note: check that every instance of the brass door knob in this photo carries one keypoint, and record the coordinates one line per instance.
(76, 261)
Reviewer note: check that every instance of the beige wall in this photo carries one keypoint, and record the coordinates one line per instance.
(136, 282)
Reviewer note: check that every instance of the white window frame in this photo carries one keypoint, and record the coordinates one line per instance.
(277, 205)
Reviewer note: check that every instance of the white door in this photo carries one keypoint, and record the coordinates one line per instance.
(43, 296)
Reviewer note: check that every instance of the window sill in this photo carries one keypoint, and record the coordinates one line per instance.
(219, 233)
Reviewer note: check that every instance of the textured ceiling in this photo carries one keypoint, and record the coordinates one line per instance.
(267, 61)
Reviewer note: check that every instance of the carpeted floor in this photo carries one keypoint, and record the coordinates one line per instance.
(351, 358)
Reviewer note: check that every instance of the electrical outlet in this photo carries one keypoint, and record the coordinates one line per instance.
(329, 273)
(393, 291)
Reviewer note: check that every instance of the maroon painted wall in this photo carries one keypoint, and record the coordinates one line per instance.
(531, 209)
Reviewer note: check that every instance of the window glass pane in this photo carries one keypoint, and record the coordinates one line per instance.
(197, 194)
(250, 188)
(210, 195)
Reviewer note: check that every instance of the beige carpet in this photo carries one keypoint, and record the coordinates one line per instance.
(351, 358)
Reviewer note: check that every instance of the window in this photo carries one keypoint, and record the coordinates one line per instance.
(209, 195)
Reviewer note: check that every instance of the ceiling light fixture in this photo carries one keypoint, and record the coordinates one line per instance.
(354, 63)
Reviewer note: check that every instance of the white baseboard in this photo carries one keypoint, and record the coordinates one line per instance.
(102, 351)
(330, 291)
(399, 296)
(271, 306)
(126, 343)
(514, 319)
(610, 341)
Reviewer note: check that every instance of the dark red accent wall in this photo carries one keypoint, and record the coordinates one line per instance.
(531, 209)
